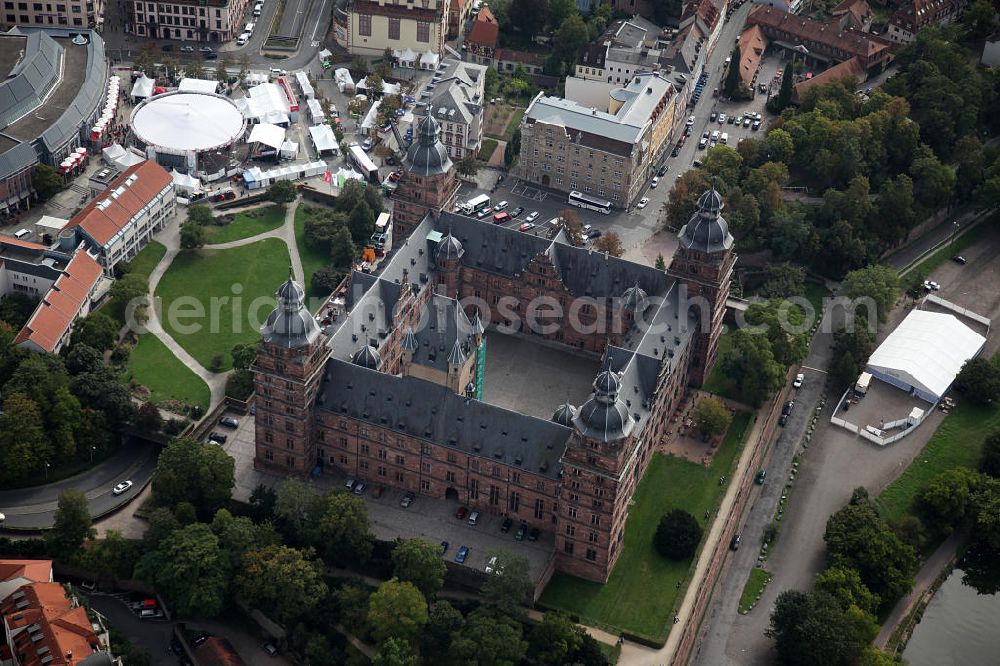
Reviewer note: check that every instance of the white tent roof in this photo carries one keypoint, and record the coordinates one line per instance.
(323, 138)
(264, 101)
(324, 54)
(304, 85)
(143, 87)
(198, 85)
(369, 121)
(429, 58)
(927, 350)
(118, 157)
(267, 134)
(409, 55)
(184, 182)
(187, 121)
(315, 109)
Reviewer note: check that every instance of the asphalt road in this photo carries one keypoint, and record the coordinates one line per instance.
(154, 636)
(34, 508)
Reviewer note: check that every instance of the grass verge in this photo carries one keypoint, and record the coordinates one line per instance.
(718, 382)
(212, 317)
(644, 587)
(246, 225)
(966, 238)
(610, 652)
(142, 265)
(758, 580)
(957, 442)
(154, 366)
(312, 259)
(486, 150)
(513, 123)
(815, 293)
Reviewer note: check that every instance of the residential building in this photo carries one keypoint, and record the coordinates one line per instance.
(820, 44)
(121, 221)
(212, 21)
(392, 392)
(69, 14)
(753, 43)
(609, 154)
(856, 14)
(906, 21)
(456, 96)
(369, 27)
(480, 44)
(45, 67)
(849, 69)
(458, 15)
(43, 624)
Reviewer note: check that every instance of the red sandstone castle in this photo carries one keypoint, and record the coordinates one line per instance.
(390, 393)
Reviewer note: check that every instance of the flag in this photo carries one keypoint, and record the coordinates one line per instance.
(327, 177)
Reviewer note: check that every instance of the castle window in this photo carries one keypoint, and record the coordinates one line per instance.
(568, 547)
(517, 477)
(592, 537)
(425, 468)
(343, 442)
(399, 477)
(400, 460)
(343, 460)
(425, 449)
(591, 554)
(269, 437)
(571, 511)
(382, 455)
(451, 456)
(514, 502)
(425, 485)
(494, 495)
(473, 488)
(364, 449)
(591, 459)
(381, 470)
(595, 519)
(570, 530)
(269, 455)
(365, 25)
(289, 444)
(289, 461)
(449, 477)
(363, 465)
(539, 508)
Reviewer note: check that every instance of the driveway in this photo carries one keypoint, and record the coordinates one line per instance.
(34, 508)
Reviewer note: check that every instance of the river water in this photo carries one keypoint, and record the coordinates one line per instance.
(961, 625)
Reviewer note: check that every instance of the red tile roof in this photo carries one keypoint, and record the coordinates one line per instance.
(102, 225)
(62, 304)
(47, 624)
(14, 242)
(484, 29)
(37, 571)
(217, 652)
(914, 15)
(524, 57)
(752, 46)
(704, 10)
(848, 69)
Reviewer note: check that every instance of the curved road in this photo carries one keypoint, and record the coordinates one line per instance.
(34, 508)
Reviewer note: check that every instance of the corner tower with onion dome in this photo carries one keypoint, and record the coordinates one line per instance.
(287, 375)
(428, 183)
(703, 263)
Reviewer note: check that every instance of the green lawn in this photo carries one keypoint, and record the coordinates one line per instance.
(513, 123)
(206, 280)
(610, 652)
(718, 382)
(815, 293)
(312, 259)
(155, 367)
(142, 265)
(641, 595)
(246, 225)
(956, 443)
(486, 150)
(758, 580)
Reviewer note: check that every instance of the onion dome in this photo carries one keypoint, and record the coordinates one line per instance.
(707, 230)
(367, 357)
(449, 248)
(427, 156)
(290, 324)
(634, 298)
(604, 417)
(564, 415)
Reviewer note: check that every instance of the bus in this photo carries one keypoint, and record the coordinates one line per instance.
(476, 204)
(586, 201)
(364, 163)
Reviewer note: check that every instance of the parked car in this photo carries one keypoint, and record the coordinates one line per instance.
(491, 565)
(393, 177)
(653, 183)
(150, 614)
(532, 216)
(271, 649)
(712, 117)
(663, 170)
(521, 531)
(218, 437)
(747, 120)
(463, 553)
(444, 547)
(229, 422)
(591, 234)
(505, 526)
(734, 543)
(212, 56)
(702, 143)
(526, 226)
(931, 285)
(722, 118)
(359, 489)
(484, 212)
(187, 49)
(122, 488)
(760, 477)
(959, 259)
(517, 211)
(799, 378)
(473, 518)
(787, 409)
(277, 71)
(349, 484)
(533, 534)
(407, 500)
(367, 144)
(690, 121)
(461, 513)
(642, 202)
(501, 205)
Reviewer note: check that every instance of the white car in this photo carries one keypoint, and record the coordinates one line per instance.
(931, 285)
(277, 71)
(501, 205)
(690, 121)
(799, 378)
(722, 119)
(642, 202)
(653, 183)
(532, 216)
(122, 487)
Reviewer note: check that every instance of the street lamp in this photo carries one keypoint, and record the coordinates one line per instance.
(954, 232)
(92, 449)
(46, 471)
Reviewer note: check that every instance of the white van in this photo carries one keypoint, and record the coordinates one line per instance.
(21, 234)
(258, 8)
(243, 39)
(249, 28)
(724, 138)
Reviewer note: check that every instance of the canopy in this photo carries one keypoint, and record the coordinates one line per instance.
(289, 149)
(267, 134)
(183, 122)
(185, 183)
(142, 88)
(198, 85)
(120, 158)
(323, 138)
(429, 60)
(264, 103)
(925, 353)
(315, 110)
(324, 55)
(407, 55)
(304, 85)
(371, 116)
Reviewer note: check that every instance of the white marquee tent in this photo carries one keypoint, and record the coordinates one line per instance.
(267, 134)
(120, 158)
(184, 183)
(304, 85)
(198, 85)
(925, 353)
(265, 103)
(323, 138)
(142, 88)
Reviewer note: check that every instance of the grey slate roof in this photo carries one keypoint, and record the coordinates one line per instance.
(367, 357)
(446, 327)
(605, 417)
(290, 324)
(437, 414)
(707, 230)
(427, 156)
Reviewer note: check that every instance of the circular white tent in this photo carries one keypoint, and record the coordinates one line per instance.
(187, 123)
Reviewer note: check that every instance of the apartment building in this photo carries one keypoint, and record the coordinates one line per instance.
(120, 222)
(369, 27)
(212, 21)
(609, 154)
(456, 96)
(66, 14)
(906, 21)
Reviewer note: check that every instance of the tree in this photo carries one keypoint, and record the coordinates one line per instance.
(664, 10)
(812, 629)
(16, 308)
(979, 381)
(784, 280)
(342, 249)
(325, 280)
(933, 182)
(201, 215)
(282, 192)
(711, 417)
(220, 70)
(751, 364)
(529, 16)
(844, 585)
(240, 535)
(397, 610)
(343, 527)
(779, 146)
(488, 639)
(945, 503)
(986, 509)
(352, 605)
(373, 83)
(395, 652)
(507, 591)
(570, 223)
(559, 11)
(284, 582)
(191, 569)
(468, 165)
(96, 330)
(361, 223)
(72, 524)
(851, 348)
(127, 289)
(148, 418)
(22, 437)
(554, 640)
(189, 471)
(684, 197)
(101, 392)
(162, 523)
(83, 358)
(443, 621)
(724, 163)
(784, 97)
(513, 149)
(661, 264)
(979, 19)
(113, 555)
(879, 283)
(244, 355)
(46, 181)
(731, 87)
(192, 236)
(419, 562)
(989, 460)
(610, 243)
(569, 39)
(678, 535)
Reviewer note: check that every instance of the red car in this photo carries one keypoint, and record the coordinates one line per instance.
(393, 177)
(461, 513)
